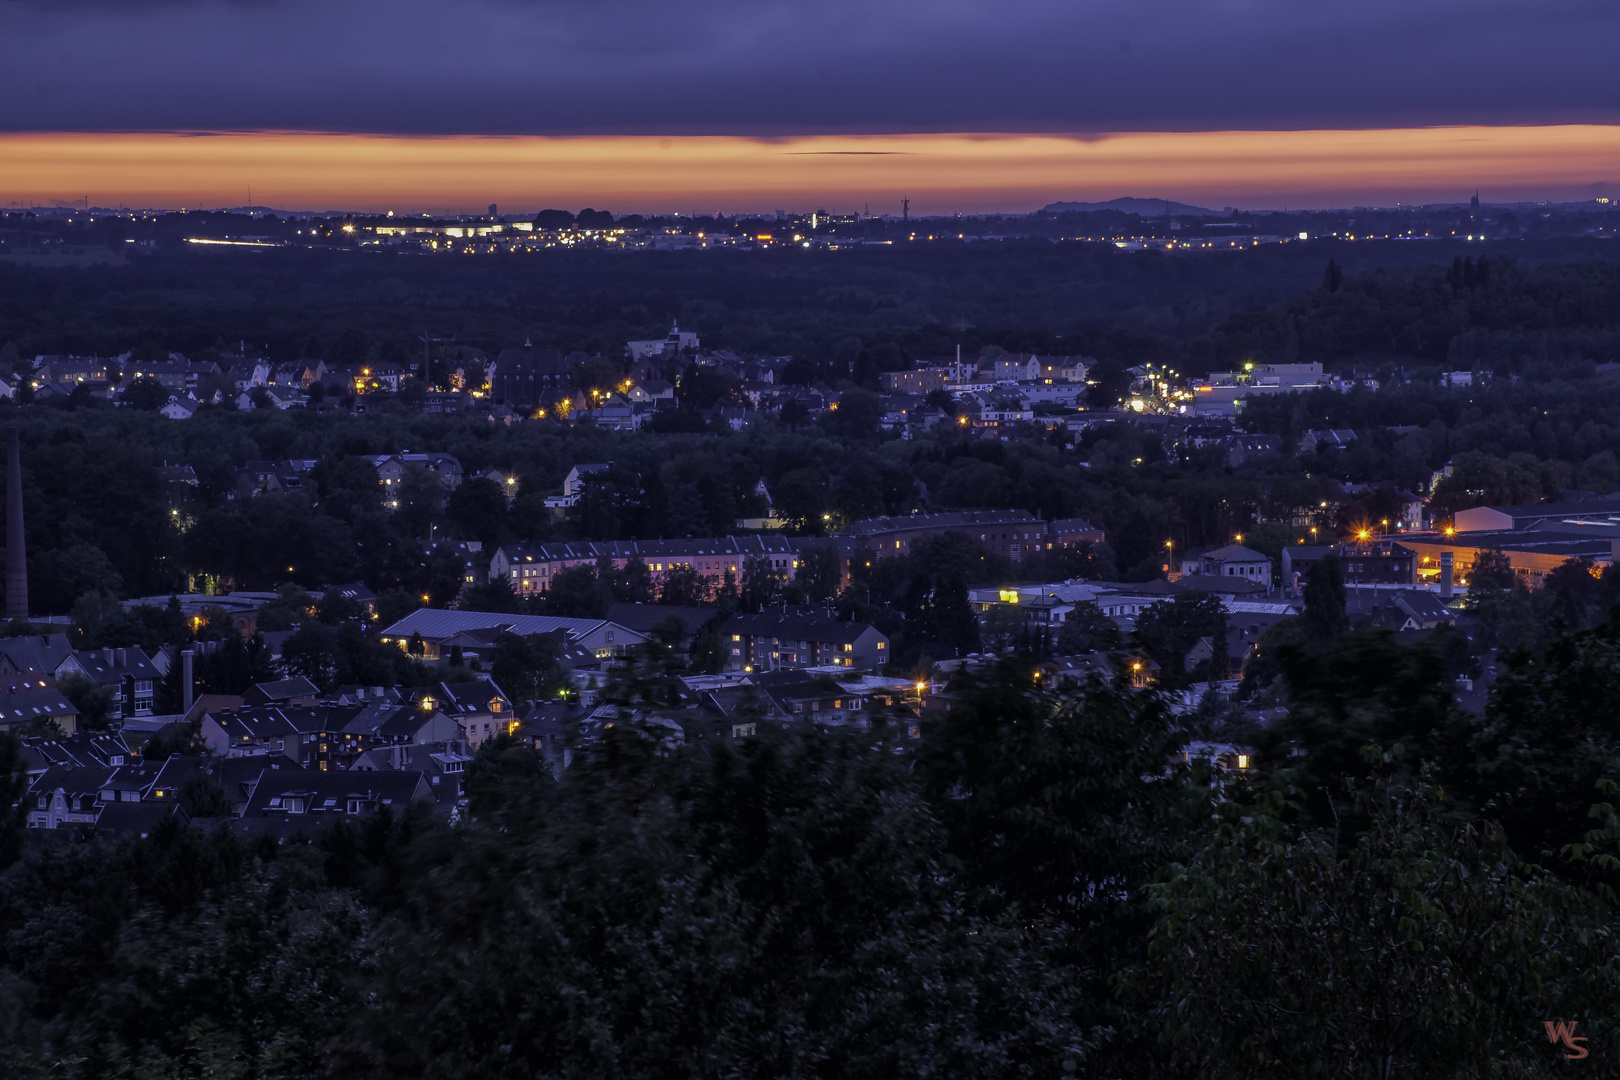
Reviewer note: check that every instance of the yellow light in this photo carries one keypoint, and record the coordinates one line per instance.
(1243, 761)
(424, 598)
(920, 687)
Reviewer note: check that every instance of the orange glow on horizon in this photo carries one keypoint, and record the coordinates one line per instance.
(703, 174)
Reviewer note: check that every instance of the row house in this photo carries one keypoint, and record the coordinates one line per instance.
(308, 735)
(1014, 533)
(432, 632)
(771, 641)
(391, 468)
(127, 674)
(528, 569)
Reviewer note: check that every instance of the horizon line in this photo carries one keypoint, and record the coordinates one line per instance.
(969, 172)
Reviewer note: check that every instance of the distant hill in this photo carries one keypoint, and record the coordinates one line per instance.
(1129, 205)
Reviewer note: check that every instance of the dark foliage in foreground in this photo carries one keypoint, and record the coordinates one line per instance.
(1033, 890)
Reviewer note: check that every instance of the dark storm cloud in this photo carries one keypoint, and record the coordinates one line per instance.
(562, 66)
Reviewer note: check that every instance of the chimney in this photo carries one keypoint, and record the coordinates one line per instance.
(16, 553)
(186, 684)
(1446, 565)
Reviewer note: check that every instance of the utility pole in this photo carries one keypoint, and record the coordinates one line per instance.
(905, 209)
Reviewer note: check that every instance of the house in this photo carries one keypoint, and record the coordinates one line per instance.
(127, 674)
(67, 795)
(22, 703)
(70, 369)
(297, 688)
(1331, 438)
(574, 483)
(181, 407)
(315, 797)
(1419, 610)
(1014, 533)
(34, 652)
(821, 700)
(1235, 560)
(356, 593)
(920, 381)
(179, 482)
(649, 390)
(1060, 369)
(176, 374)
(480, 709)
(770, 641)
(550, 727)
(1240, 447)
(672, 344)
(391, 468)
(646, 618)
(1013, 368)
(385, 725)
(528, 378)
(434, 628)
(1072, 532)
(1374, 561)
(307, 735)
(443, 763)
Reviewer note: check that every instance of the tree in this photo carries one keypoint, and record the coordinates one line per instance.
(1325, 617)
(576, 592)
(820, 570)
(312, 652)
(477, 510)
(94, 701)
(1168, 629)
(1086, 629)
(13, 807)
(145, 393)
(528, 667)
(1333, 277)
(1492, 569)
(684, 588)
(1421, 946)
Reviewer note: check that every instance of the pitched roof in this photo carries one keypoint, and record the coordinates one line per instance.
(795, 627)
(281, 690)
(21, 706)
(1235, 553)
(36, 652)
(333, 793)
(435, 624)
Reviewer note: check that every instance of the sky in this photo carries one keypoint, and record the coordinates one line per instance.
(1243, 102)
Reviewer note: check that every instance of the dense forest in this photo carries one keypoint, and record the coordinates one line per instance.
(850, 313)
(1395, 886)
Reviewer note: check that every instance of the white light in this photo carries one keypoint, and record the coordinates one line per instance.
(1304, 236)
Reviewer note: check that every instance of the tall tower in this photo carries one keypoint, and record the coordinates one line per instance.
(16, 554)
